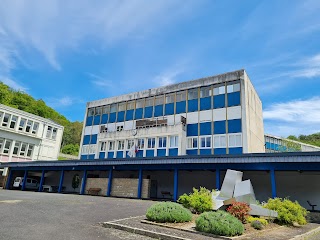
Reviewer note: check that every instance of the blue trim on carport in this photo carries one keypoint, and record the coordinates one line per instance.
(140, 183)
(109, 182)
(23, 187)
(84, 182)
(175, 184)
(41, 181)
(273, 183)
(61, 181)
(9, 179)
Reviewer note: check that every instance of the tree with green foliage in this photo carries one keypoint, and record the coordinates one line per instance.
(72, 149)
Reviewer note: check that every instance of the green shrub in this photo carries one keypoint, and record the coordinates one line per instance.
(198, 202)
(168, 212)
(219, 223)
(251, 219)
(239, 210)
(257, 225)
(288, 211)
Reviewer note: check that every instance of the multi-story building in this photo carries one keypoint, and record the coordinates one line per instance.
(215, 115)
(279, 144)
(26, 137)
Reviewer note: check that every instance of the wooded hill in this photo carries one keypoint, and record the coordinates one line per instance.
(23, 101)
(313, 139)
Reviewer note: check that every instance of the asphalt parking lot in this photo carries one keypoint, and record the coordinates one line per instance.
(33, 215)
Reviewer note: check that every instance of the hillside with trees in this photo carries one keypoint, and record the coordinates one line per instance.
(313, 139)
(23, 101)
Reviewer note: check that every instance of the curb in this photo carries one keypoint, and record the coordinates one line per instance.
(143, 232)
(307, 234)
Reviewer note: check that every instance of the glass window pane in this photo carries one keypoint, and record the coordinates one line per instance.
(159, 100)
(122, 107)
(208, 142)
(170, 98)
(181, 96)
(5, 120)
(205, 92)
(149, 102)
(22, 123)
(114, 107)
(222, 141)
(29, 124)
(98, 111)
(130, 105)
(106, 109)
(35, 128)
(229, 88)
(222, 90)
(192, 94)
(90, 112)
(195, 142)
(236, 87)
(140, 103)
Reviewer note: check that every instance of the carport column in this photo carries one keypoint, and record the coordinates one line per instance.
(84, 182)
(9, 179)
(140, 183)
(273, 183)
(218, 179)
(41, 181)
(175, 186)
(61, 181)
(24, 180)
(109, 183)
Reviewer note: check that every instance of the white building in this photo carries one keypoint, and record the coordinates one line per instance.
(27, 137)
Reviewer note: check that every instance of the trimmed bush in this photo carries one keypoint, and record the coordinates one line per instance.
(219, 223)
(288, 212)
(168, 212)
(251, 219)
(198, 202)
(257, 225)
(239, 210)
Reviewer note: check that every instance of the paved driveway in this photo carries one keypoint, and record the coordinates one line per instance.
(32, 215)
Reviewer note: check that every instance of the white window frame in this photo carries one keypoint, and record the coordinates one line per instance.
(233, 88)
(111, 145)
(205, 142)
(35, 128)
(54, 133)
(103, 146)
(6, 123)
(191, 141)
(204, 91)
(30, 150)
(152, 143)
(1, 144)
(29, 124)
(162, 145)
(6, 150)
(49, 132)
(17, 146)
(231, 143)
(24, 121)
(174, 141)
(130, 143)
(219, 141)
(22, 153)
(141, 142)
(170, 98)
(219, 90)
(14, 122)
(120, 144)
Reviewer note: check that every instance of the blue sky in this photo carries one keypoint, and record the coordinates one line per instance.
(71, 52)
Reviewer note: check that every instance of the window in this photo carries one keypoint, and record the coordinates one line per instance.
(1, 144)
(192, 142)
(7, 145)
(90, 112)
(35, 128)
(234, 140)
(102, 146)
(233, 88)
(111, 146)
(162, 142)
(151, 142)
(130, 105)
(16, 148)
(54, 133)
(192, 94)
(5, 120)
(174, 141)
(13, 121)
(49, 132)
(119, 128)
(98, 111)
(141, 143)
(205, 142)
(22, 123)
(159, 100)
(122, 106)
(113, 108)
(120, 144)
(181, 96)
(219, 90)
(219, 141)
(106, 109)
(130, 144)
(30, 150)
(1, 114)
(23, 149)
(149, 102)
(170, 98)
(140, 103)
(205, 92)
(29, 125)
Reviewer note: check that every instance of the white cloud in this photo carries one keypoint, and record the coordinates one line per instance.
(65, 101)
(100, 81)
(168, 77)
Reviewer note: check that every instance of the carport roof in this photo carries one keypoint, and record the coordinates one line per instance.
(288, 157)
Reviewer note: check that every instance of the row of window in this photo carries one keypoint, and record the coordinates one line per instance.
(51, 133)
(20, 149)
(190, 94)
(219, 141)
(24, 125)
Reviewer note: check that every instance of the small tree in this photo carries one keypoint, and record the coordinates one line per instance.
(75, 181)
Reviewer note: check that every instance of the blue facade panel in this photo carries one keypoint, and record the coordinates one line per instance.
(94, 139)
(192, 129)
(86, 140)
(112, 118)
(129, 115)
(150, 153)
(237, 150)
(169, 109)
(219, 127)
(139, 112)
(83, 157)
(158, 110)
(148, 111)
(139, 153)
(89, 121)
(91, 156)
(218, 151)
(193, 105)
(234, 126)
(104, 118)
(181, 107)
(173, 152)
(205, 103)
(205, 128)
(219, 101)
(192, 152)
(96, 120)
(102, 155)
(205, 152)
(120, 116)
(268, 145)
(119, 154)
(110, 154)
(161, 152)
(233, 99)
